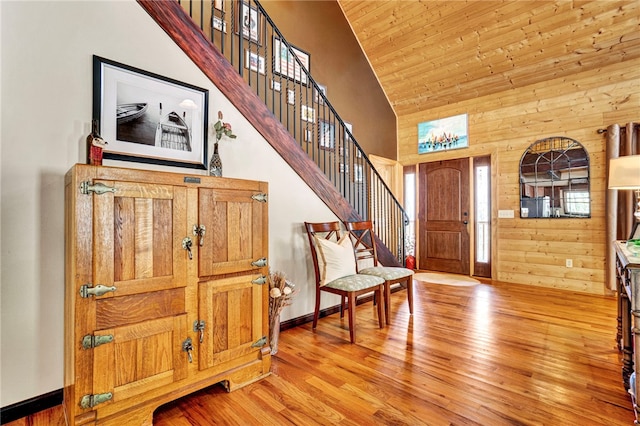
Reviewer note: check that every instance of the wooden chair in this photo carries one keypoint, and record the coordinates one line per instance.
(335, 269)
(364, 243)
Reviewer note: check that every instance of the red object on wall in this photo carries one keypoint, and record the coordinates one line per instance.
(410, 262)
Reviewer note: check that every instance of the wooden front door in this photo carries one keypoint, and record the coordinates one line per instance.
(137, 240)
(443, 216)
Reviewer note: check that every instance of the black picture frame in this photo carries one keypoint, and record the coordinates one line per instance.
(250, 22)
(326, 135)
(148, 118)
(285, 64)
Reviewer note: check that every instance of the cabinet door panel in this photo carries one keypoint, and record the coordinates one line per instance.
(122, 310)
(234, 223)
(232, 309)
(137, 235)
(138, 232)
(141, 357)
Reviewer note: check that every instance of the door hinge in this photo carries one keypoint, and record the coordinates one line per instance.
(262, 197)
(99, 290)
(89, 341)
(99, 188)
(90, 401)
(260, 342)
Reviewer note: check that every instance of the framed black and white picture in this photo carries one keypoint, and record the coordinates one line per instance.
(148, 118)
(327, 135)
(317, 97)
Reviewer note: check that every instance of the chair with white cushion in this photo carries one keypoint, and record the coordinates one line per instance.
(364, 243)
(334, 264)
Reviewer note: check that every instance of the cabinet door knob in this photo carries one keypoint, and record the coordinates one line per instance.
(199, 231)
(187, 346)
(186, 244)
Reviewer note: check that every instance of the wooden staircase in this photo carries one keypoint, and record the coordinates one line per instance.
(172, 18)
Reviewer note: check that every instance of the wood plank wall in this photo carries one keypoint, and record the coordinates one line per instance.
(503, 125)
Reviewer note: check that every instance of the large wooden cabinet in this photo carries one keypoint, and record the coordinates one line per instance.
(166, 289)
(628, 336)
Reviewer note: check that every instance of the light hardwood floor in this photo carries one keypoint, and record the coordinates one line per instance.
(493, 354)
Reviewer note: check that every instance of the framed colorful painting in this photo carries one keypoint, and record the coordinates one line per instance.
(443, 134)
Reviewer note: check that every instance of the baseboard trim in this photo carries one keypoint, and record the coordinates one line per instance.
(30, 406)
(294, 322)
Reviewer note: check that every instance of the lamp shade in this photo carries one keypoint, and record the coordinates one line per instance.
(188, 104)
(624, 172)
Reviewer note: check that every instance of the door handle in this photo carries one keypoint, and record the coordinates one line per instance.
(465, 222)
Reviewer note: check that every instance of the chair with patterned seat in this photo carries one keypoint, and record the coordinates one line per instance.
(334, 264)
(364, 245)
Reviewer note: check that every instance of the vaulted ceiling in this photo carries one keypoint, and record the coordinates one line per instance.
(430, 53)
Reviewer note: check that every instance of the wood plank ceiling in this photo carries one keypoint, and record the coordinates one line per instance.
(432, 53)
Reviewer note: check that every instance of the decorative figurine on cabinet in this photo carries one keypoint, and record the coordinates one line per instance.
(95, 145)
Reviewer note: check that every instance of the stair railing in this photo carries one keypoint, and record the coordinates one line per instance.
(277, 73)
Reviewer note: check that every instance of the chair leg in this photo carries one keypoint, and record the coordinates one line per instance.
(387, 301)
(342, 304)
(351, 300)
(316, 310)
(378, 292)
(410, 293)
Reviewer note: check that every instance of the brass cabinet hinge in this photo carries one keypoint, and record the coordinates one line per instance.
(261, 197)
(89, 341)
(99, 290)
(260, 342)
(99, 188)
(260, 262)
(90, 401)
(260, 280)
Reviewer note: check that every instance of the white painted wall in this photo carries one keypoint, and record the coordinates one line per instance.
(46, 98)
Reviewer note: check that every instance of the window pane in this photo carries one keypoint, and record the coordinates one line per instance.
(576, 202)
(410, 195)
(410, 208)
(482, 214)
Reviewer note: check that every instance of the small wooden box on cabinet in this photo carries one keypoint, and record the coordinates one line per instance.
(165, 289)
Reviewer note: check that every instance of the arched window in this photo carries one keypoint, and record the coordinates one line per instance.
(554, 179)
